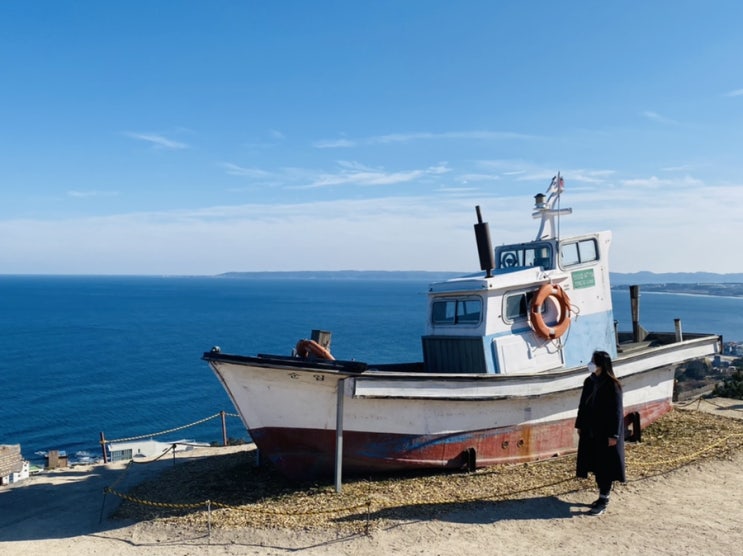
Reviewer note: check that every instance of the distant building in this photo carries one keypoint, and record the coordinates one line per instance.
(13, 468)
(125, 451)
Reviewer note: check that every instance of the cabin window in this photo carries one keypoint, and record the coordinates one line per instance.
(457, 311)
(517, 305)
(121, 455)
(579, 252)
(526, 256)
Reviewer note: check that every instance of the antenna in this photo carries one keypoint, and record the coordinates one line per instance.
(545, 210)
(560, 187)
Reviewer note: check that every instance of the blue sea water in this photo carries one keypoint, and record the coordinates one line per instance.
(122, 355)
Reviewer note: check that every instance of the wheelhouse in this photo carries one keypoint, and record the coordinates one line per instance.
(540, 305)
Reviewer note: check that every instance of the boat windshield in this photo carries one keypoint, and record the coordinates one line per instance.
(526, 255)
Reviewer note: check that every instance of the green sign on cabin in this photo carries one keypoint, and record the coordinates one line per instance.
(583, 279)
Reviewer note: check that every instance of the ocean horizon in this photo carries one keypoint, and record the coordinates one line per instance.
(121, 355)
(617, 278)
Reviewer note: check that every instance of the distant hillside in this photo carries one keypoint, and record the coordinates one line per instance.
(696, 283)
(343, 275)
(726, 290)
(618, 279)
(668, 281)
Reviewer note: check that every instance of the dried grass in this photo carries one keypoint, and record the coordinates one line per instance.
(243, 494)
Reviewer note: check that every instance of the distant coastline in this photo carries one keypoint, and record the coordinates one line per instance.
(720, 290)
(420, 275)
(699, 283)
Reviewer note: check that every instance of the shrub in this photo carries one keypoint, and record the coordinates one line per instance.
(694, 370)
(731, 387)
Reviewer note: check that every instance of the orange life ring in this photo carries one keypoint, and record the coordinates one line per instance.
(536, 321)
(305, 348)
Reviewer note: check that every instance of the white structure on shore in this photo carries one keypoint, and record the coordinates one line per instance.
(125, 451)
(13, 467)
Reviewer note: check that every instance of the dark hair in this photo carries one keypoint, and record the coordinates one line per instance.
(603, 360)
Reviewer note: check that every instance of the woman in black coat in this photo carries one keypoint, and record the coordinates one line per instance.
(600, 425)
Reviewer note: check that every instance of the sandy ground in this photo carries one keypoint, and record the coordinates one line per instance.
(695, 509)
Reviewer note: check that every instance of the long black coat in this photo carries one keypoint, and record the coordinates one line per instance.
(600, 417)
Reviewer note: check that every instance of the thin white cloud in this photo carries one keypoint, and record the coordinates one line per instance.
(441, 168)
(276, 134)
(477, 176)
(424, 232)
(359, 175)
(735, 93)
(236, 170)
(589, 176)
(655, 117)
(353, 165)
(158, 141)
(445, 189)
(334, 144)
(475, 135)
(421, 136)
(653, 182)
(348, 173)
(86, 194)
(517, 170)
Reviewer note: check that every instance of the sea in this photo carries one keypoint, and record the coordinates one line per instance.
(82, 356)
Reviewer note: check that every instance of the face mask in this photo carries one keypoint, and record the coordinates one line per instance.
(591, 367)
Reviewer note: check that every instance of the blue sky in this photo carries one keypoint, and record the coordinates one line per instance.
(205, 137)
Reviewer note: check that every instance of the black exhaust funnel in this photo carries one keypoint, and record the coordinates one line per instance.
(484, 247)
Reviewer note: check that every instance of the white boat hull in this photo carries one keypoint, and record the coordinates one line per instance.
(404, 420)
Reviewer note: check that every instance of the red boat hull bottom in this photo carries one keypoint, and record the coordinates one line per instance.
(308, 454)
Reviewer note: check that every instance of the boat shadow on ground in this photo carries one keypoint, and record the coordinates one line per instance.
(479, 512)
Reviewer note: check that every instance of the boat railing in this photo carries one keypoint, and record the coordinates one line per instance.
(290, 361)
(653, 339)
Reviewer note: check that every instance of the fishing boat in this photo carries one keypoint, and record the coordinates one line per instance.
(504, 355)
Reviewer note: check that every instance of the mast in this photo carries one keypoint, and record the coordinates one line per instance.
(545, 209)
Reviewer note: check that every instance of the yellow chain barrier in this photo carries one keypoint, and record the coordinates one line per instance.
(379, 504)
(688, 457)
(155, 504)
(207, 503)
(176, 429)
(340, 509)
(272, 511)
